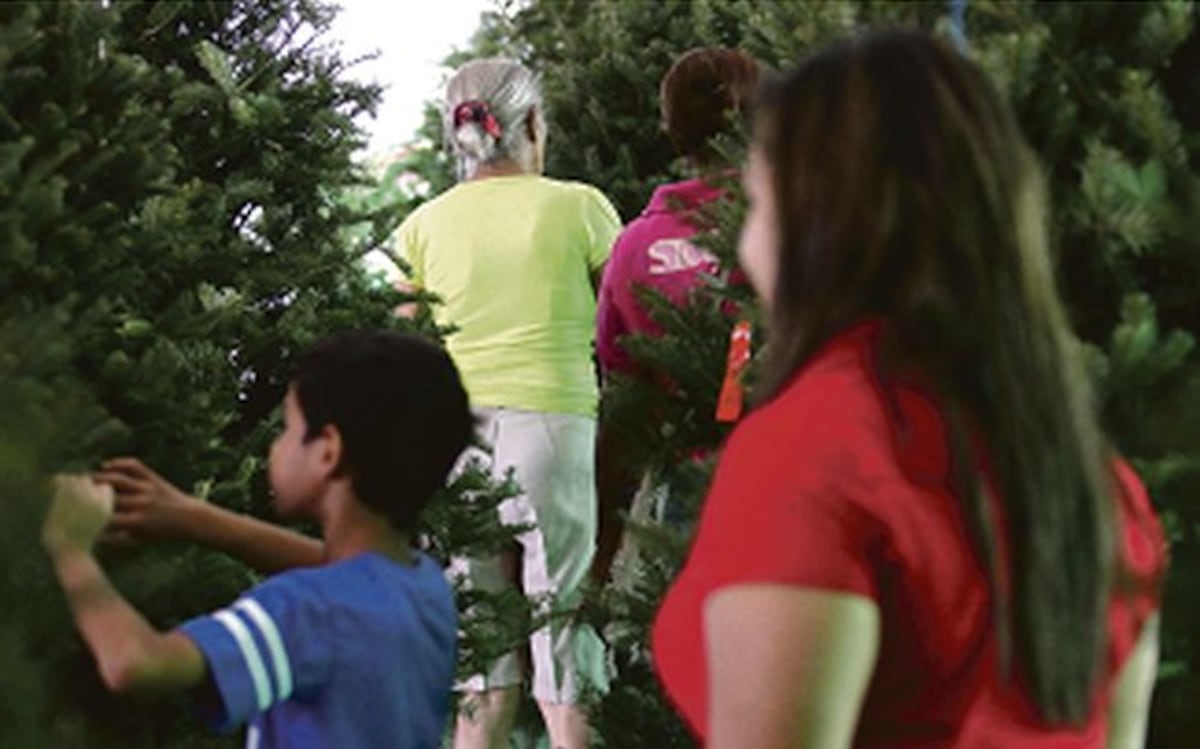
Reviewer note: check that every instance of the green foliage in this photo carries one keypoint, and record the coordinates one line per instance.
(1122, 174)
(175, 231)
(38, 407)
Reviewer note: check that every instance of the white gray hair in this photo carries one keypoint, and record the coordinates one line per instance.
(509, 90)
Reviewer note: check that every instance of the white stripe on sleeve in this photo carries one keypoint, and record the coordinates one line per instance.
(270, 634)
(254, 661)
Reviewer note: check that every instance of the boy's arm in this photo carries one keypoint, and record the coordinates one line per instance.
(130, 654)
(149, 506)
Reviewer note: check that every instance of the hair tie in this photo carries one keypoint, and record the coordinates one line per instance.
(480, 112)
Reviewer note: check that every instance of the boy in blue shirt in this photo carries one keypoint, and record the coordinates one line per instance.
(356, 646)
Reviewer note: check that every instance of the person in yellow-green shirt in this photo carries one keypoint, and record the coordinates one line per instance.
(516, 259)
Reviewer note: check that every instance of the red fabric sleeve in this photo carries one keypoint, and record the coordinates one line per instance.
(782, 510)
(1141, 565)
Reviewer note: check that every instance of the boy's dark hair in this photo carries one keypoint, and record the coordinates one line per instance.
(401, 409)
(702, 94)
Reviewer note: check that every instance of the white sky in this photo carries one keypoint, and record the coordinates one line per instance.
(412, 37)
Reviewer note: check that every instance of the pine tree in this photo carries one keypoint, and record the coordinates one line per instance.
(1105, 92)
(175, 230)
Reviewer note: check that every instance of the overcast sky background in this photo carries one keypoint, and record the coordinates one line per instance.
(412, 38)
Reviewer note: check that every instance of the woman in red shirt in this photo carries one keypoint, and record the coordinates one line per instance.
(919, 537)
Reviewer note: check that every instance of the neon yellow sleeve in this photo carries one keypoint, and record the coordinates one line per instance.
(603, 225)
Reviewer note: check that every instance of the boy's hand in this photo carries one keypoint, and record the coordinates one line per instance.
(78, 514)
(147, 505)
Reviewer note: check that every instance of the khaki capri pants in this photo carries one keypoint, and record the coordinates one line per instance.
(552, 455)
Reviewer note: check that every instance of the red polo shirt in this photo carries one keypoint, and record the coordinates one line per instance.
(822, 489)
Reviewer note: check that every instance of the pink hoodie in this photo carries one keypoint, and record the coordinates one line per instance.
(654, 250)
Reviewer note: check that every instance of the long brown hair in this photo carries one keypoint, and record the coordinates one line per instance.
(906, 192)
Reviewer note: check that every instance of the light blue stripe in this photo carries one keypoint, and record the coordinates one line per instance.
(270, 634)
(254, 661)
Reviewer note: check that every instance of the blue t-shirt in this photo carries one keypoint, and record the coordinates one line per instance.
(359, 653)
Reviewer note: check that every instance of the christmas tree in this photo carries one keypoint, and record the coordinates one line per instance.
(177, 227)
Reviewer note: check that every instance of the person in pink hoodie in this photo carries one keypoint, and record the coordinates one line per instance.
(703, 93)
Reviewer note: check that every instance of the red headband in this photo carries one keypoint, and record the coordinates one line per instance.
(480, 112)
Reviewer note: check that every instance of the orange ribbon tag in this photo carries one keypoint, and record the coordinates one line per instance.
(729, 403)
